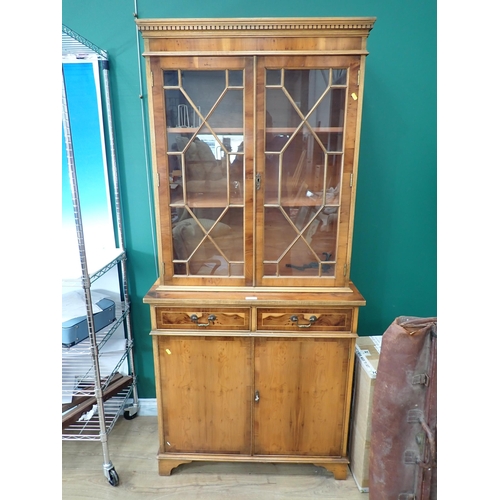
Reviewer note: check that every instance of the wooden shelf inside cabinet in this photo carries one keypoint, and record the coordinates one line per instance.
(291, 130)
(194, 130)
(207, 200)
(254, 317)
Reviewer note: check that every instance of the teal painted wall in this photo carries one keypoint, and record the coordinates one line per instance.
(394, 261)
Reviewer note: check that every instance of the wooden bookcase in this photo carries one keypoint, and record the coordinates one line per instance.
(255, 127)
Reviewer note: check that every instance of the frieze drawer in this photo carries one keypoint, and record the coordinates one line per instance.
(203, 318)
(305, 319)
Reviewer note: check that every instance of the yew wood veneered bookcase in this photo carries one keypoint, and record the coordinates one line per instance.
(255, 127)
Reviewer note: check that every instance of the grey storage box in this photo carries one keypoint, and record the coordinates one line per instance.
(76, 329)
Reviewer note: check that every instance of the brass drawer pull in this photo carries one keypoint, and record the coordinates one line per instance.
(295, 319)
(211, 319)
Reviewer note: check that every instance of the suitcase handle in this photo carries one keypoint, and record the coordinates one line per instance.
(432, 443)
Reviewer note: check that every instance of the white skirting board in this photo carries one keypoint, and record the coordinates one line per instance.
(147, 407)
(362, 490)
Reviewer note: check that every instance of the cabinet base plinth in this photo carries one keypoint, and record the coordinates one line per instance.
(339, 471)
(165, 466)
(337, 466)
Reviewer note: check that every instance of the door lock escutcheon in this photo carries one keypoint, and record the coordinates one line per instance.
(257, 181)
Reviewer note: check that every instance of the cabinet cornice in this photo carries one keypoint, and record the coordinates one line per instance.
(153, 28)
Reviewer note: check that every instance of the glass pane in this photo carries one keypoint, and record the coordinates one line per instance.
(339, 77)
(236, 269)
(180, 268)
(226, 121)
(281, 116)
(207, 260)
(301, 216)
(204, 175)
(270, 269)
(229, 111)
(324, 114)
(309, 259)
(271, 185)
(322, 234)
(303, 167)
(327, 119)
(171, 78)
(279, 233)
(273, 77)
(202, 244)
(235, 78)
(333, 175)
(175, 177)
(203, 88)
(233, 248)
(299, 261)
(306, 87)
(236, 179)
(180, 112)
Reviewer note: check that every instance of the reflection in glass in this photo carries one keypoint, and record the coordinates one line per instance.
(202, 246)
(305, 87)
(278, 233)
(299, 261)
(281, 113)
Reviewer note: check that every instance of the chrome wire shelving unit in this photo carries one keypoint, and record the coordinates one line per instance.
(97, 387)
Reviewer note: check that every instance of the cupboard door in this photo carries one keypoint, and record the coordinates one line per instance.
(206, 394)
(309, 115)
(303, 387)
(203, 149)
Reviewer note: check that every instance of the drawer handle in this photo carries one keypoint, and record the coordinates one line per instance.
(295, 319)
(211, 319)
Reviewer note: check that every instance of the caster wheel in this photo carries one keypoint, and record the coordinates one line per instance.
(130, 413)
(113, 478)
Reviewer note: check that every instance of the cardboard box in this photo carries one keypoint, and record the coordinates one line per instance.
(365, 373)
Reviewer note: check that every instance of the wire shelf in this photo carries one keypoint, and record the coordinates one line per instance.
(90, 430)
(98, 265)
(78, 374)
(76, 46)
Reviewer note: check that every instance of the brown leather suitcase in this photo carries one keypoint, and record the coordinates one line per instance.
(403, 449)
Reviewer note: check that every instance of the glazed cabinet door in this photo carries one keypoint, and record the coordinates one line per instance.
(203, 156)
(205, 393)
(308, 108)
(302, 389)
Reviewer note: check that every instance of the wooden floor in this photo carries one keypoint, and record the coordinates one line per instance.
(132, 446)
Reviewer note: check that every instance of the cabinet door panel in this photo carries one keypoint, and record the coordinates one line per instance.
(202, 140)
(303, 387)
(206, 386)
(310, 111)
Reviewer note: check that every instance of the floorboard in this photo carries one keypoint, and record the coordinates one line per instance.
(132, 447)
